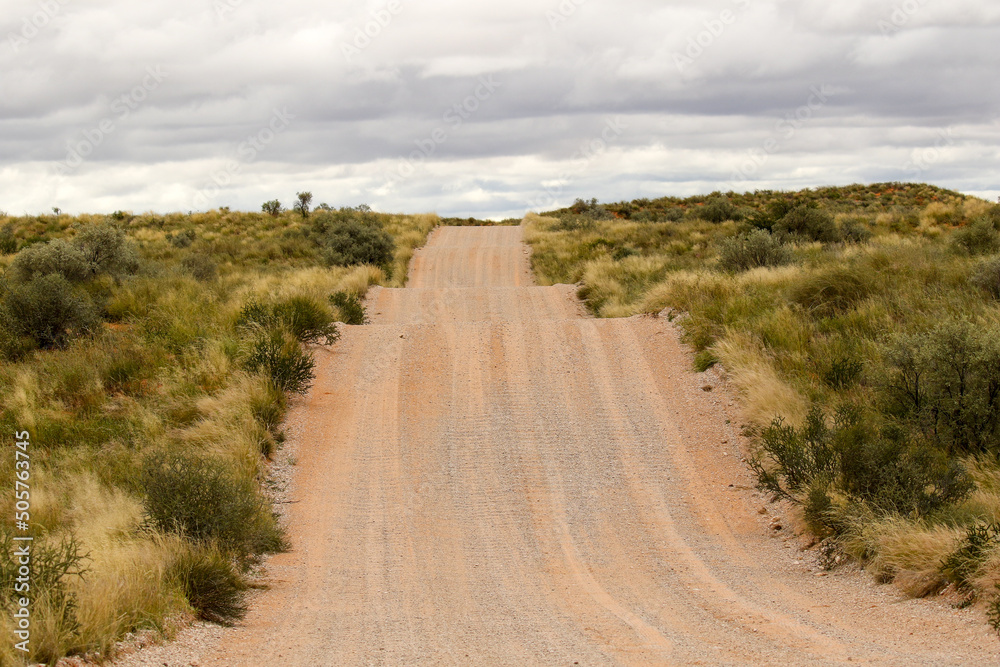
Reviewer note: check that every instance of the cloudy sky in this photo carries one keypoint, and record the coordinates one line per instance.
(487, 109)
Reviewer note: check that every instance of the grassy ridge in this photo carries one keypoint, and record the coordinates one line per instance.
(861, 325)
(150, 430)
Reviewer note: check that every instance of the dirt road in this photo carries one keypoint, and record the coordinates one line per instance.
(485, 476)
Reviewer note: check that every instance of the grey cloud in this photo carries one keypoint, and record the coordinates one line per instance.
(357, 116)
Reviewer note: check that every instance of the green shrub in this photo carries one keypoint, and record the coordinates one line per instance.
(808, 223)
(993, 609)
(349, 305)
(986, 276)
(309, 320)
(203, 500)
(201, 267)
(718, 209)
(8, 242)
(946, 384)
(268, 409)
(14, 346)
(127, 369)
(843, 372)
(48, 310)
(979, 238)
(817, 507)
(347, 242)
(211, 583)
(855, 231)
(881, 469)
(751, 250)
(280, 357)
(760, 220)
(272, 208)
(57, 257)
(992, 216)
(182, 239)
(590, 210)
(962, 565)
(108, 250)
(97, 249)
(705, 360)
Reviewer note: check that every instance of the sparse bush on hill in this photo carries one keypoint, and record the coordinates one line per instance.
(53, 285)
(201, 267)
(979, 238)
(48, 310)
(808, 223)
(302, 204)
(8, 242)
(752, 250)
(591, 210)
(856, 231)
(107, 250)
(347, 240)
(718, 209)
(986, 276)
(182, 239)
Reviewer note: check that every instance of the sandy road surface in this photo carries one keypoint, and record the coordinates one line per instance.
(487, 477)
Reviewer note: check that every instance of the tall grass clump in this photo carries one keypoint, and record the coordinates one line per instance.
(213, 586)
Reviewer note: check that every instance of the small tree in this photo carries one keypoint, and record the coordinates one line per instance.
(303, 203)
(107, 249)
(272, 208)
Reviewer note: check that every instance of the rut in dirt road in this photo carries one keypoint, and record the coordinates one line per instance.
(488, 477)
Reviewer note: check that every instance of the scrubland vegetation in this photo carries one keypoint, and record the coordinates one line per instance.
(151, 358)
(862, 325)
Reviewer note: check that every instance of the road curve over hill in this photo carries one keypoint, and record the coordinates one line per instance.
(486, 476)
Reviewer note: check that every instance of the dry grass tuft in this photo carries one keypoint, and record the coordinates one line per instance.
(766, 395)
